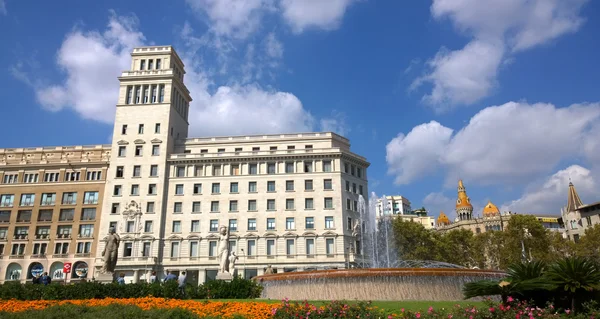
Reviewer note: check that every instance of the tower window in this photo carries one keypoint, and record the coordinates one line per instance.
(146, 93)
(150, 64)
(161, 97)
(129, 94)
(142, 64)
(154, 94)
(137, 94)
(158, 64)
(124, 129)
(157, 128)
(141, 129)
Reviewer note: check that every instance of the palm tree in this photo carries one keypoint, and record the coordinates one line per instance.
(574, 275)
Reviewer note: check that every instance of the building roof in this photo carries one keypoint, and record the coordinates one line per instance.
(463, 200)
(573, 201)
(443, 219)
(490, 210)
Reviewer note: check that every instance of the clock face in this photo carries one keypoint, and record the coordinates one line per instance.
(458, 201)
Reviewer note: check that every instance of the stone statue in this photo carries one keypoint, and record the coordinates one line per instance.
(111, 251)
(232, 259)
(269, 270)
(356, 229)
(223, 249)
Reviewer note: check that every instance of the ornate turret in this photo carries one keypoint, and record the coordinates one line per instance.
(490, 210)
(573, 202)
(443, 219)
(464, 209)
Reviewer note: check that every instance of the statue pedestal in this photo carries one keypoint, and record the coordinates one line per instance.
(105, 278)
(224, 276)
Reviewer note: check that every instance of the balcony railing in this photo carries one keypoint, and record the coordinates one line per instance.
(27, 203)
(90, 202)
(48, 203)
(82, 255)
(69, 202)
(16, 257)
(63, 236)
(38, 256)
(20, 236)
(42, 236)
(6, 204)
(85, 236)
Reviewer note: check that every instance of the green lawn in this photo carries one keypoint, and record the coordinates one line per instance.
(395, 306)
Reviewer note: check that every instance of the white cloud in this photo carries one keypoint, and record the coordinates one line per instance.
(437, 202)
(92, 61)
(418, 153)
(273, 47)
(304, 14)
(497, 27)
(234, 18)
(552, 194)
(510, 143)
(3, 10)
(336, 123)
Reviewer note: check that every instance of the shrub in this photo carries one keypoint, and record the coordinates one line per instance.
(112, 311)
(238, 288)
(334, 309)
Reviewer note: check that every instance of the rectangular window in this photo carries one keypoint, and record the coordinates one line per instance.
(270, 204)
(352, 170)
(359, 172)
(5, 216)
(251, 247)
(233, 224)
(326, 166)
(137, 171)
(146, 250)
(308, 167)
(253, 169)
(360, 189)
(71, 176)
(327, 184)
(270, 247)
(161, 97)
(349, 223)
(197, 189)
(252, 224)
(141, 129)
(347, 186)
(329, 248)
(130, 226)
(155, 150)
(120, 172)
(148, 226)
(138, 150)
(180, 171)
(255, 149)
(214, 225)
(289, 167)
(309, 203)
(135, 189)
(27, 200)
(124, 129)
(289, 186)
(328, 202)
(252, 205)
(153, 170)
(150, 207)
(158, 64)
(589, 220)
(24, 216)
(122, 151)
(308, 185)
(157, 128)
(271, 168)
(348, 204)
(18, 249)
(51, 177)
(150, 64)
(93, 175)
(233, 187)
(175, 249)
(354, 188)
(177, 207)
(66, 215)
(48, 199)
(194, 249)
(270, 223)
(45, 215)
(217, 170)
(196, 207)
(86, 231)
(152, 189)
(212, 248)
(32, 178)
(251, 187)
(290, 248)
(329, 222)
(290, 224)
(179, 189)
(233, 205)
(69, 198)
(214, 206)
(176, 226)
(270, 186)
(289, 204)
(195, 226)
(7, 200)
(90, 198)
(88, 214)
(216, 188)
(272, 148)
(310, 246)
(40, 248)
(235, 169)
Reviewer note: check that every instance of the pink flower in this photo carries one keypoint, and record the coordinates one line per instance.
(450, 316)
(492, 309)
(510, 299)
(430, 310)
(402, 310)
(568, 311)
(418, 314)
(390, 317)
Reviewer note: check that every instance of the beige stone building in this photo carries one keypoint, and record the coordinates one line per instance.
(398, 206)
(50, 203)
(289, 200)
(577, 217)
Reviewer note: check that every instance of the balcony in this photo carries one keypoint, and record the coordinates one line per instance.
(38, 256)
(69, 202)
(48, 203)
(82, 255)
(63, 236)
(42, 236)
(44, 220)
(58, 256)
(90, 202)
(6, 204)
(27, 203)
(86, 235)
(16, 257)
(20, 237)
(22, 220)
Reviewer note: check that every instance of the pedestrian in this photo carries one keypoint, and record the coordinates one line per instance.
(170, 276)
(45, 279)
(36, 279)
(181, 282)
(121, 279)
(153, 277)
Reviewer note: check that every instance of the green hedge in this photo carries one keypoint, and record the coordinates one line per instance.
(238, 288)
(112, 311)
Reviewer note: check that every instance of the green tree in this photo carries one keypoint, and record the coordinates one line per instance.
(529, 230)
(457, 246)
(560, 247)
(576, 276)
(413, 241)
(588, 244)
(490, 250)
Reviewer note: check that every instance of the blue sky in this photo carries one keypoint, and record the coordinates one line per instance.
(501, 93)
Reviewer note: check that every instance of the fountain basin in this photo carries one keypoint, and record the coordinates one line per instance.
(439, 284)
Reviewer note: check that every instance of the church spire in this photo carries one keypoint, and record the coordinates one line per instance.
(573, 202)
(464, 209)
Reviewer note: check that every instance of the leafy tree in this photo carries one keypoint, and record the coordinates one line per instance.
(588, 244)
(413, 241)
(490, 250)
(575, 276)
(529, 230)
(560, 247)
(457, 246)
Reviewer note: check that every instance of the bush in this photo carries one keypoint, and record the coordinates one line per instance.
(238, 288)
(334, 309)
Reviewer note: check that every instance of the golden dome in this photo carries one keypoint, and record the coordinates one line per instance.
(463, 200)
(443, 219)
(490, 210)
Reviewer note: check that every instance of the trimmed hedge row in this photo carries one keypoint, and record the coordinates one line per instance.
(238, 288)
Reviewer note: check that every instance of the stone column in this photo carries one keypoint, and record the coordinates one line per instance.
(136, 276)
(201, 276)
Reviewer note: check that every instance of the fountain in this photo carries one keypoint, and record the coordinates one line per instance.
(378, 273)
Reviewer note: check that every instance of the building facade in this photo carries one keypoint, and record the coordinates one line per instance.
(288, 200)
(50, 207)
(577, 217)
